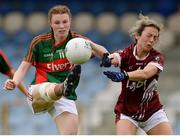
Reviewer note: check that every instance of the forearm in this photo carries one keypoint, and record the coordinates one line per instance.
(137, 75)
(23, 89)
(21, 72)
(143, 74)
(98, 50)
(21, 85)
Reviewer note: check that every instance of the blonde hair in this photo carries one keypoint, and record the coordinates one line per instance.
(59, 9)
(144, 21)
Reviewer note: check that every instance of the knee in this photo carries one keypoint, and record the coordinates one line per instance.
(46, 91)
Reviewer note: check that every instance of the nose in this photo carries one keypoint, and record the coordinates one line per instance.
(152, 39)
(61, 25)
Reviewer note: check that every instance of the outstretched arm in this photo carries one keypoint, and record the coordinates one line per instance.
(143, 74)
(137, 75)
(97, 49)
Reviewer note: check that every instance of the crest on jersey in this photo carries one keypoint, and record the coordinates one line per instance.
(157, 58)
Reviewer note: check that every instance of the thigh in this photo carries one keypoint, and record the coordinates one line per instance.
(67, 123)
(158, 124)
(65, 116)
(39, 104)
(163, 128)
(63, 105)
(126, 126)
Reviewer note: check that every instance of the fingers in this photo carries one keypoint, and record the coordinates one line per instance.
(106, 55)
(9, 84)
(106, 61)
(30, 97)
(112, 75)
(108, 73)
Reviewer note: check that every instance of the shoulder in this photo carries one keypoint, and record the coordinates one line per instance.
(2, 54)
(42, 37)
(128, 50)
(75, 34)
(154, 51)
(157, 53)
(3, 58)
(156, 57)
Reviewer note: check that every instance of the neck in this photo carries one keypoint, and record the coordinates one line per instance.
(140, 52)
(59, 39)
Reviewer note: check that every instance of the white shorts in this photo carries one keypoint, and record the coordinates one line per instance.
(62, 105)
(58, 107)
(157, 118)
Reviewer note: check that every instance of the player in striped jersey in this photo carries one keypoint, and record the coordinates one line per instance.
(6, 69)
(53, 88)
(140, 65)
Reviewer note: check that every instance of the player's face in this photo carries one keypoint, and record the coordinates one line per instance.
(148, 38)
(60, 23)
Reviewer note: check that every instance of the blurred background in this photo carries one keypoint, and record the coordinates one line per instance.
(105, 22)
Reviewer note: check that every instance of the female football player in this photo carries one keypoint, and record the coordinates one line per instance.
(140, 65)
(53, 88)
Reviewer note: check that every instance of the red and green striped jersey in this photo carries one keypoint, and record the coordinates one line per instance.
(5, 66)
(50, 60)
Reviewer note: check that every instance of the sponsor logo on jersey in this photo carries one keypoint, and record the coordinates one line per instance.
(48, 55)
(61, 53)
(57, 67)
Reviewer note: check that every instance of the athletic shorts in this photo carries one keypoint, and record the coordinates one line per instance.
(58, 107)
(157, 118)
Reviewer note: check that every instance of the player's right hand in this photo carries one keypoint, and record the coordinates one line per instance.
(30, 97)
(116, 76)
(9, 84)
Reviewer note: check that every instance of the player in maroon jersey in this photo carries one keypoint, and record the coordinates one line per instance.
(6, 69)
(53, 88)
(140, 65)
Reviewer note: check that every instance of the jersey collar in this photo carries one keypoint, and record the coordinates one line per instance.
(64, 41)
(135, 52)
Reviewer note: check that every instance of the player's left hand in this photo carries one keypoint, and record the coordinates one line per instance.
(116, 76)
(106, 61)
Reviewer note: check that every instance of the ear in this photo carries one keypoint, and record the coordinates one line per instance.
(136, 36)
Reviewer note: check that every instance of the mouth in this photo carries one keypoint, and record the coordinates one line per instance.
(149, 45)
(62, 31)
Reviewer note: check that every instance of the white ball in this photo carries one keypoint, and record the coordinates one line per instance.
(78, 51)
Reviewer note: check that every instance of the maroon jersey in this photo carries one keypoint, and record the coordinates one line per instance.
(139, 99)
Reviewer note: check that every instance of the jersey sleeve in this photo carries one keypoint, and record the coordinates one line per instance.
(31, 53)
(5, 66)
(158, 61)
(122, 56)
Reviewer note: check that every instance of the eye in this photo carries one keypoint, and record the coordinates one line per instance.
(65, 21)
(156, 38)
(148, 35)
(56, 22)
